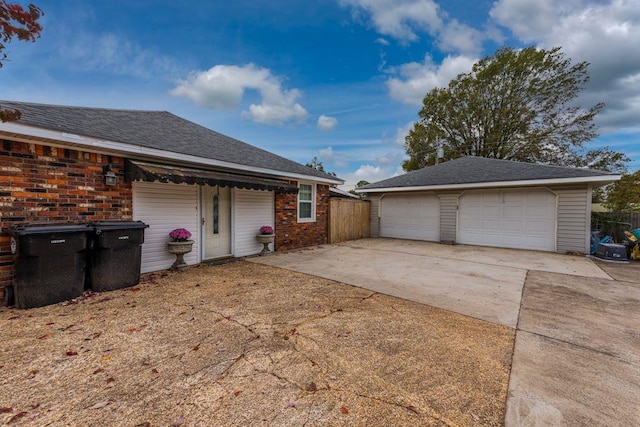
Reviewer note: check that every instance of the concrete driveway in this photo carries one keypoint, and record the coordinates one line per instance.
(576, 357)
(485, 283)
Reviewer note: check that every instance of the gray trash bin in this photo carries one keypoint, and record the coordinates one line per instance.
(49, 263)
(115, 254)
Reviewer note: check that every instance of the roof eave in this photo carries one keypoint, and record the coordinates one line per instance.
(137, 150)
(598, 179)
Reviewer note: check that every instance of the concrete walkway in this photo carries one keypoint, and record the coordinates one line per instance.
(576, 359)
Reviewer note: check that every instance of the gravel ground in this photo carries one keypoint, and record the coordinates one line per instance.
(248, 344)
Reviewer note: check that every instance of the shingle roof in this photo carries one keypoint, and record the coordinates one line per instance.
(476, 170)
(155, 129)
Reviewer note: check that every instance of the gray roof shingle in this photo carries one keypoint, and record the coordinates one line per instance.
(155, 129)
(476, 170)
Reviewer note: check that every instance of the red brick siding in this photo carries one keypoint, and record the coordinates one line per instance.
(39, 183)
(291, 234)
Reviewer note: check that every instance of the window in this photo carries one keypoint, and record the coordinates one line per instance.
(306, 206)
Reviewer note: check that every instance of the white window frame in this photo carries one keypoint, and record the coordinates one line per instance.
(313, 202)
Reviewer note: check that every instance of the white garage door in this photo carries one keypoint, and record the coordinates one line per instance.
(522, 219)
(165, 207)
(410, 216)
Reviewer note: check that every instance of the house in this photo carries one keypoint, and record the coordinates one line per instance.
(341, 194)
(58, 164)
(488, 202)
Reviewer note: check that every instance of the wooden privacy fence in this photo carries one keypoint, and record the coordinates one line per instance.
(614, 224)
(348, 219)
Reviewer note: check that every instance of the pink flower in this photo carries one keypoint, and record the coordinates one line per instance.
(180, 235)
(266, 229)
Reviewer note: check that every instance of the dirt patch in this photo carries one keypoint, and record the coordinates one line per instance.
(247, 344)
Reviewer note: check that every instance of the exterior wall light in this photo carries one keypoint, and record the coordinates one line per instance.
(110, 177)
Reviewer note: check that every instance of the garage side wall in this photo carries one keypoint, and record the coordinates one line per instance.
(574, 220)
(40, 183)
(448, 216)
(374, 218)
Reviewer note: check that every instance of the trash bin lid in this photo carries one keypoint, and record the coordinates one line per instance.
(118, 225)
(26, 229)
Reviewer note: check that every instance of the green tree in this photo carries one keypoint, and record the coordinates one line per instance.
(359, 184)
(22, 24)
(514, 105)
(317, 165)
(624, 195)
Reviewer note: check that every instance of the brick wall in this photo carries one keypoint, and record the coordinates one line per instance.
(39, 183)
(290, 234)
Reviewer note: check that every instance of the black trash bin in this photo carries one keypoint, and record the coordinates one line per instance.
(115, 254)
(49, 264)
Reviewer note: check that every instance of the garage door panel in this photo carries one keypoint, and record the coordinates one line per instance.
(508, 218)
(415, 217)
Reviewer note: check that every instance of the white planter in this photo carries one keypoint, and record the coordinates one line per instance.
(265, 239)
(179, 249)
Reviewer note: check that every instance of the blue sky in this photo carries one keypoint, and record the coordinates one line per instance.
(341, 80)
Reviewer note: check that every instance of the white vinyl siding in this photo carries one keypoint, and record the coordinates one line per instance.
(574, 219)
(410, 216)
(448, 216)
(519, 219)
(165, 206)
(374, 216)
(306, 202)
(252, 210)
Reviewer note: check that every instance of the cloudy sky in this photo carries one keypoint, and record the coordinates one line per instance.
(341, 80)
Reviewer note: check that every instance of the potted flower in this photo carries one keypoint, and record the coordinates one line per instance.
(265, 236)
(180, 245)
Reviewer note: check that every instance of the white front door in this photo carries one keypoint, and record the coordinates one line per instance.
(216, 222)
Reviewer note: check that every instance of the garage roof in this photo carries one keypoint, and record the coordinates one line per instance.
(469, 172)
(159, 130)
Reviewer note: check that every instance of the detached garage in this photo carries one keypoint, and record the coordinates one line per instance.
(489, 202)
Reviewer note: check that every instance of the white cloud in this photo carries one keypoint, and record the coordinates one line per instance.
(603, 33)
(383, 42)
(327, 155)
(114, 54)
(370, 173)
(327, 123)
(402, 132)
(416, 79)
(224, 86)
(458, 37)
(400, 19)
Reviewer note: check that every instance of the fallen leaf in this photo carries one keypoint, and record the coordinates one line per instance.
(475, 416)
(72, 353)
(16, 417)
(132, 329)
(344, 410)
(154, 370)
(100, 405)
(69, 327)
(134, 289)
(35, 405)
(50, 323)
(32, 373)
(106, 357)
(178, 422)
(44, 337)
(413, 409)
(312, 387)
(97, 371)
(196, 348)
(219, 319)
(236, 393)
(110, 379)
(5, 410)
(13, 317)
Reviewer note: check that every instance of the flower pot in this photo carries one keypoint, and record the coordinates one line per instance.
(179, 249)
(265, 239)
